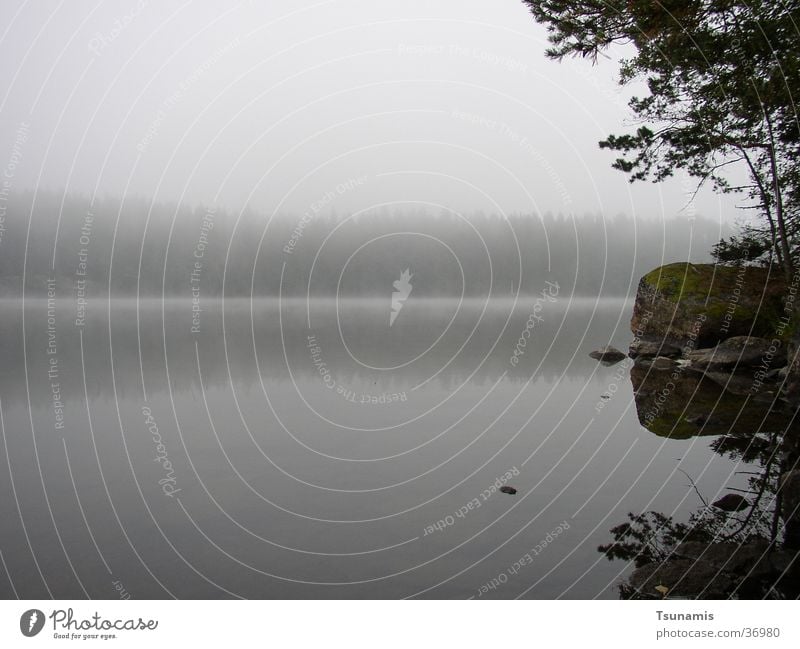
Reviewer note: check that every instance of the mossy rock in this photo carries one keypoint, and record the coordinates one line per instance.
(698, 305)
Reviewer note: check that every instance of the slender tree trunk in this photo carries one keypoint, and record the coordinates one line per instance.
(793, 371)
(788, 266)
(765, 200)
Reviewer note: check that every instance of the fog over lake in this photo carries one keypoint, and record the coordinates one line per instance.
(297, 300)
(306, 449)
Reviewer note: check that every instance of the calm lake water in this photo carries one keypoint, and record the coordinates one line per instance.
(310, 450)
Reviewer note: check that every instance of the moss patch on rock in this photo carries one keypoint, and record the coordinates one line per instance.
(702, 304)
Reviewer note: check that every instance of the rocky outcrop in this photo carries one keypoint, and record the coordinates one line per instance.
(731, 378)
(702, 304)
(728, 323)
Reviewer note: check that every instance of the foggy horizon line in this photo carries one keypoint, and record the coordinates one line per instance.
(389, 208)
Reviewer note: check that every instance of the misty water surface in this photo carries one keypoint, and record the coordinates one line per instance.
(309, 450)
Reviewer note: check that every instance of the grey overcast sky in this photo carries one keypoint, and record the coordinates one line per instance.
(285, 105)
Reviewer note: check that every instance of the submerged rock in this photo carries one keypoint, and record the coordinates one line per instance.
(694, 306)
(731, 503)
(607, 354)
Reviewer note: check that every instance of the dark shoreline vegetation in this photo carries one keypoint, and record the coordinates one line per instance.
(717, 349)
(710, 359)
(587, 256)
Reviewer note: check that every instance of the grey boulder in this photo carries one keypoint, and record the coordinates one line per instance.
(741, 351)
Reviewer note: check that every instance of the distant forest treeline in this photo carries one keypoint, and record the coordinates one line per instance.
(129, 246)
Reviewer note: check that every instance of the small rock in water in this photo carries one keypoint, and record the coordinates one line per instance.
(608, 354)
(508, 490)
(732, 503)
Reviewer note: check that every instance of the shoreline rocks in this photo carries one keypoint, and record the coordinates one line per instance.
(726, 323)
(652, 347)
(741, 351)
(705, 304)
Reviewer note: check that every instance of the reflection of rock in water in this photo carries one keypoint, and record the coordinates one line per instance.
(680, 403)
(745, 547)
(608, 355)
(742, 545)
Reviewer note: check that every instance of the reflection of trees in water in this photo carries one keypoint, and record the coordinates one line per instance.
(744, 545)
(548, 353)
